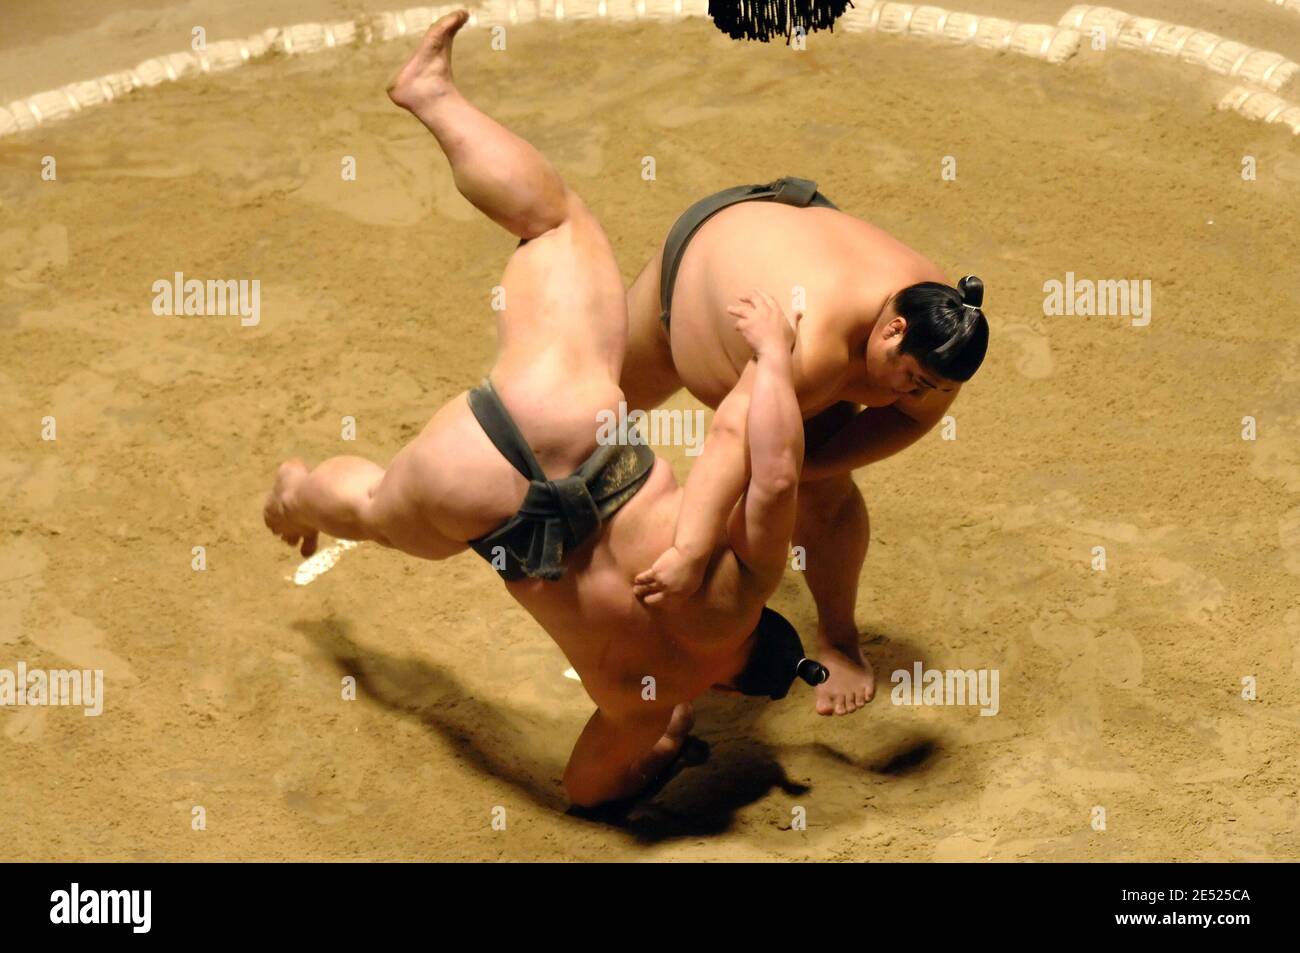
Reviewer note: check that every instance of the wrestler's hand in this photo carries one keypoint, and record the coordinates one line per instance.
(277, 512)
(763, 323)
(674, 575)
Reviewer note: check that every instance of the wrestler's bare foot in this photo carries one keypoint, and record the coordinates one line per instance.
(428, 73)
(852, 682)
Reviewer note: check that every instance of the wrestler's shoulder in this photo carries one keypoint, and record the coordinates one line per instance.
(880, 252)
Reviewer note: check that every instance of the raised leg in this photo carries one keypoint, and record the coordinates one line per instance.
(501, 174)
(565, 318)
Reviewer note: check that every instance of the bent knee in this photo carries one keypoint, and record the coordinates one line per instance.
(833, 501)
(829, 492)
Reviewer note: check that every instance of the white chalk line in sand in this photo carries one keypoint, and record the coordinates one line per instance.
(322, 562)
(1053, 43)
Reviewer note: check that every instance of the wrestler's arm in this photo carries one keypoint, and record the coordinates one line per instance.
(714, 486)
(760, 529)
(878, 432)
(722, 473)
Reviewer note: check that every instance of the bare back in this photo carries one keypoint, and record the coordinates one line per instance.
(847, 270)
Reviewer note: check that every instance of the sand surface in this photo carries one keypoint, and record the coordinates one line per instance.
(1119, 689)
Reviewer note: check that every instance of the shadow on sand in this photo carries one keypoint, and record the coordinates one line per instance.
(700, 796)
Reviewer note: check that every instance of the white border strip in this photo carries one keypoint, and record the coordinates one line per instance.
(1262, 68)
(1262, 106)
(1044, 41)
(1264, 71)
(1053, 43)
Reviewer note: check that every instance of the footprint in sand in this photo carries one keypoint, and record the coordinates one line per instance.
(1094, 607)
(1277, 450)
(26, 611)
(1078, 725)
(1120, 655)
(1064, 509)
(396, 183)
(1201, 595)
(1198, 595)
(78, 642)
(22, 575)
(38, 486)
(30, 254)
(26, 726)
(1291, 622)
(86, 402)
(1288, 537)
(1035, 359)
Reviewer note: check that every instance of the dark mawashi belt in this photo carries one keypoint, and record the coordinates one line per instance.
(556, 516)
(787, 190)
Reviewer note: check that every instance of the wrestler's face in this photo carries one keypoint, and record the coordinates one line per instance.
(889, 369)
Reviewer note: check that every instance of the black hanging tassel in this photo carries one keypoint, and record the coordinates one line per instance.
(764, 19)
